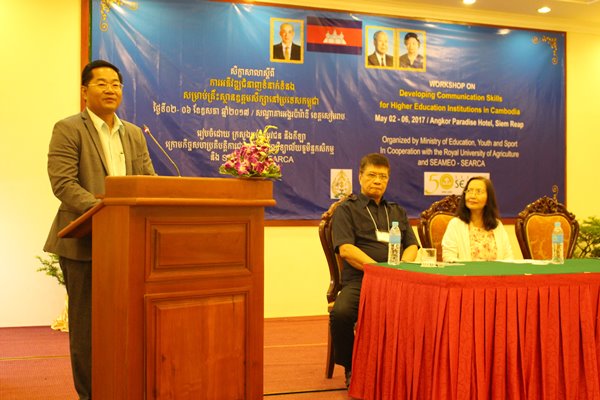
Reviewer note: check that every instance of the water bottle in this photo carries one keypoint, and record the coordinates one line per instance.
(394, 244)
(558, 238)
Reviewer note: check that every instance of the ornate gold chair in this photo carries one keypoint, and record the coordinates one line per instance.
(334, 262)
(535, 223)
(434, 220)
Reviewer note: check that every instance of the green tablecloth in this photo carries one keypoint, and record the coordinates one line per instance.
(498, 268)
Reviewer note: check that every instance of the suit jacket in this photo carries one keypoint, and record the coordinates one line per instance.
(294, 53)
(77, 168)
(372, 60)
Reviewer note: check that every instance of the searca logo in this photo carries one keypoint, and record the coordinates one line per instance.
(446, 183)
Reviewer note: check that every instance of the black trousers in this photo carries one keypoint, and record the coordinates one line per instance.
(342, 319)
(78, 280)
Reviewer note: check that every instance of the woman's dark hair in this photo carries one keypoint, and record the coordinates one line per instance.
(490, 211)
(87, 75)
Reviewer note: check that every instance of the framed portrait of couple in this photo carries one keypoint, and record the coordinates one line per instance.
(395, 48)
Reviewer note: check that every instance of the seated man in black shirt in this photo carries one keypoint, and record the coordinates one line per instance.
(360, 235)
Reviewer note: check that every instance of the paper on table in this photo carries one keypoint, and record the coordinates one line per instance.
(437, 264)
(445, 263)
(527, 261)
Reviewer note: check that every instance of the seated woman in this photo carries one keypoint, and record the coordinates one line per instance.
(476, 233)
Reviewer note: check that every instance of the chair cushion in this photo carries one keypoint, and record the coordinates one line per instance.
(538, 228)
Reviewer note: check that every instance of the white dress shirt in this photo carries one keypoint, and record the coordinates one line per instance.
(111, 144)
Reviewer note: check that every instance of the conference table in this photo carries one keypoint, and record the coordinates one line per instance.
(479, 330)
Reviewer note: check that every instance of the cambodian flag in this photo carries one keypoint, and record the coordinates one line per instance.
(330, 35)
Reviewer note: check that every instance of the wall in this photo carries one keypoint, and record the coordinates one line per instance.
(39, 43)
(583, 124)
(39, 81)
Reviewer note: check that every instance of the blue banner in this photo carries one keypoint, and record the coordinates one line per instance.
(442, 101)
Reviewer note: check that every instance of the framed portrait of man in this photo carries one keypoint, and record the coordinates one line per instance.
(380, 47)
(287, 40)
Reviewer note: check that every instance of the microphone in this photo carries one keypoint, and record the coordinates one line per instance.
(147, 131)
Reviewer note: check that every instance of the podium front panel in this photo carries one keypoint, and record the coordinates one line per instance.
(208, 359)
(178, 296)
(198, 247)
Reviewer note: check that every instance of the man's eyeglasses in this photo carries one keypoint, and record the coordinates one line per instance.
(373, 175)
(103, 86)
(476, 192)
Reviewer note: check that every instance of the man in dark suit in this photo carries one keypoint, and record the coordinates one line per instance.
(287, 49)
(380, 57)
(84, 149)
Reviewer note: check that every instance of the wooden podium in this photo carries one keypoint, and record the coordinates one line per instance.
(177, 287)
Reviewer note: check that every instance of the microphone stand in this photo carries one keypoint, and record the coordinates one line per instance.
(147, 131)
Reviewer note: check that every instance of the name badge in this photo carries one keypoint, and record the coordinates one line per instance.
(383, 236)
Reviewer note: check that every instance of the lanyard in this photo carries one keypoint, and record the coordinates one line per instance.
(373, 219)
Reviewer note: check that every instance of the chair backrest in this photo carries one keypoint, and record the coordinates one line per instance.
(434, 220)
(534, 226)
(334, 261)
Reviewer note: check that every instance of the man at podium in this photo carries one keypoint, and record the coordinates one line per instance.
(84, 149)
